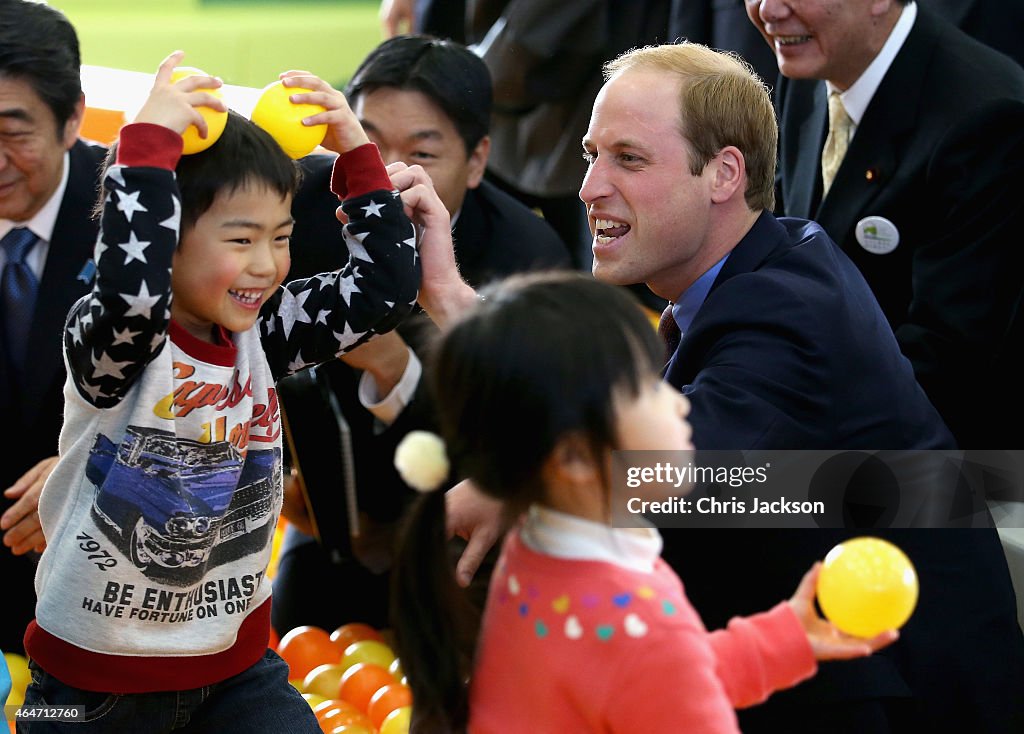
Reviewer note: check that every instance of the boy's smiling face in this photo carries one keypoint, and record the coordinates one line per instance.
(231, 261)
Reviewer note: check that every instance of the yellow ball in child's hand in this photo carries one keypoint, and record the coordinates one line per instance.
(215, 119)
(867, 586)
(282, 118)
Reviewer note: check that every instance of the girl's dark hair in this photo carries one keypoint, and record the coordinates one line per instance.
(244, 155)
(541, 357)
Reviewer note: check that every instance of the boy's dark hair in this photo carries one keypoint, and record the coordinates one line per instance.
(541, 358)
(39, 46)
(245, 154)
(451, 75)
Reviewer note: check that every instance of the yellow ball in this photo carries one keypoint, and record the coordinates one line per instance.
(867, 586)
(368, 651)
(215, 120)
(397, 722)
(17, 666)
(282, 118)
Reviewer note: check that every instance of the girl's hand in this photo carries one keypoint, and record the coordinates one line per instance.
(344, 133)
(827, 642)
(173, 105)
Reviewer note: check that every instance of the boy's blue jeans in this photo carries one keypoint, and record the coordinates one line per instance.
(257, 700)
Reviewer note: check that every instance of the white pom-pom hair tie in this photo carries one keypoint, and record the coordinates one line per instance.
(421, 460)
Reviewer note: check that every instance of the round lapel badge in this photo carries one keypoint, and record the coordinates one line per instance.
(877, 235)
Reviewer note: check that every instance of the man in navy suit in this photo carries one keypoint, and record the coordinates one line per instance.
(927, 199)
(48, 182)
(783, 346)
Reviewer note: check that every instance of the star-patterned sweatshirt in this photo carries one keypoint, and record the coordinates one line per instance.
(589, 630)
(160, 513)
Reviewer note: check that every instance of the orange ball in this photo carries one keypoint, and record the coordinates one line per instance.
(274, 640)
(361, 681)
(341, 714)
(353, 729)
(346, 634)
(387, 699)
(304, 648)
(321, 709)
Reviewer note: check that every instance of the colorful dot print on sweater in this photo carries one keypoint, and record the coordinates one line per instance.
(602, 614)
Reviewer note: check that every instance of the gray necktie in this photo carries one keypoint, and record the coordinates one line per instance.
(18, 287)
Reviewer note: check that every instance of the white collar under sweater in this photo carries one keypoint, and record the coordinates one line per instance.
(567, 536)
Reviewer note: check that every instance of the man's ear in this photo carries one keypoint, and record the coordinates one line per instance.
(730, 174)
(478, 162)
(74, 124)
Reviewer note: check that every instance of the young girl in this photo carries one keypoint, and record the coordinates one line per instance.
(585, 628)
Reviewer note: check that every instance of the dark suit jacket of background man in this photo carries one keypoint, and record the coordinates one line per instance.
(494, 236)
(940, 153)
(790, 351)
(723, 24)
(35, 410)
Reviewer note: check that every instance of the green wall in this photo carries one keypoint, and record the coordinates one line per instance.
(244, 43)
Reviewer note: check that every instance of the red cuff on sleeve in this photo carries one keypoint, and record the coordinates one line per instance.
(359, 172)
(146, 144)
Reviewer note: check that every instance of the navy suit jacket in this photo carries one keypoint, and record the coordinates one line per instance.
(940, 153)
(791, 351)
(36, 408)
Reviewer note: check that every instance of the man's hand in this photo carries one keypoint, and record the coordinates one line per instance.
(294, 506)
(396, 17)
(477, 519)
(385, 357)
(23, 533)
(443, 293)
(827, 642)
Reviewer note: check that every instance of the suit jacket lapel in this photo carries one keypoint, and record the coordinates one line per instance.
(807, 114)
(882, 136)
(71, 246)
(757, 246)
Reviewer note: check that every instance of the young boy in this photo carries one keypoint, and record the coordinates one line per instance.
(153, 609)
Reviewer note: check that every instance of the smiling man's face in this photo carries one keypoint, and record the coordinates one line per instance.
(31, 149)
(824, 39)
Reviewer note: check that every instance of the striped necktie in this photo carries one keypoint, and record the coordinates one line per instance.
(18, 287)
(668, 329)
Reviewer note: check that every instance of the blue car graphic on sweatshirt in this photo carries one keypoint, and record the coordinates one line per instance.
(175, 506)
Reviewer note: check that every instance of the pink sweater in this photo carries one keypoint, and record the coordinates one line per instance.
(588, 646)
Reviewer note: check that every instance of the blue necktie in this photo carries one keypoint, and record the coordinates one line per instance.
(18, 286)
